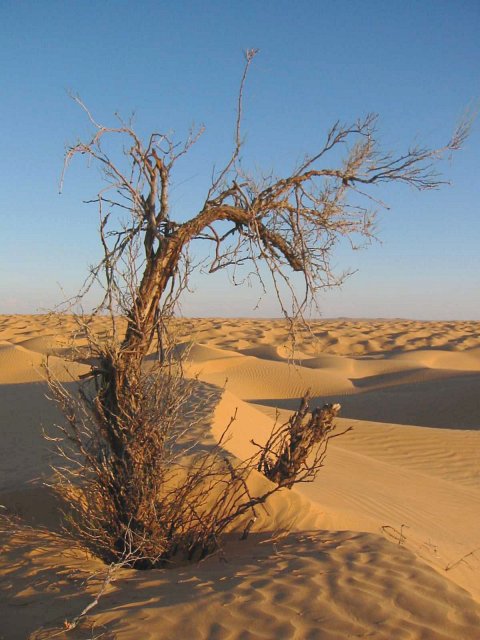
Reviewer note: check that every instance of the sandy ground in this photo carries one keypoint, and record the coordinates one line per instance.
(384, 544)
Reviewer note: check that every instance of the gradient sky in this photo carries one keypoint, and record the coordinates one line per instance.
(174, 63)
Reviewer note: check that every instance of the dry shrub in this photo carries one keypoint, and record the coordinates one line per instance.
(296, 450)
(138, 485)
(143, 485)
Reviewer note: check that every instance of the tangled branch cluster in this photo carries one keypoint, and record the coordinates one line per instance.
(145, 490)
(296, 450)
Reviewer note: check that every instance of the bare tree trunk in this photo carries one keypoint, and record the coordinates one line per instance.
(142, 319)
(121, 371)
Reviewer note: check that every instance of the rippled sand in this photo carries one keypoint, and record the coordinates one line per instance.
(384, 544)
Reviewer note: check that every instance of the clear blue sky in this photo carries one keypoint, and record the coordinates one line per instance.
(415, 63)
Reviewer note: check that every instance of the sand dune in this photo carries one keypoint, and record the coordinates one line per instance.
(384, 544)
(380, 477)
(252, 378)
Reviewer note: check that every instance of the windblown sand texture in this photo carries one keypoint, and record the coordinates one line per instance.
(384, 544)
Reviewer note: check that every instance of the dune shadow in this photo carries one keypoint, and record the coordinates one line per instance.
(25, 411)
(41, 583)
(447, 402)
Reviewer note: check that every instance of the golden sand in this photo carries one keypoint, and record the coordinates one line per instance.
(384, 544)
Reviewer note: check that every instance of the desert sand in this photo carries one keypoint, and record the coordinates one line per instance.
(384, 544)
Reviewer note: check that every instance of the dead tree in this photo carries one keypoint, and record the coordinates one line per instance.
(290, 223)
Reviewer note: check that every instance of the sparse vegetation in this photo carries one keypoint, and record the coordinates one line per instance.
(135, 493)
(296, 450)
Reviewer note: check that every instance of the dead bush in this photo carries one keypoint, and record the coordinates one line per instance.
(296, 450)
